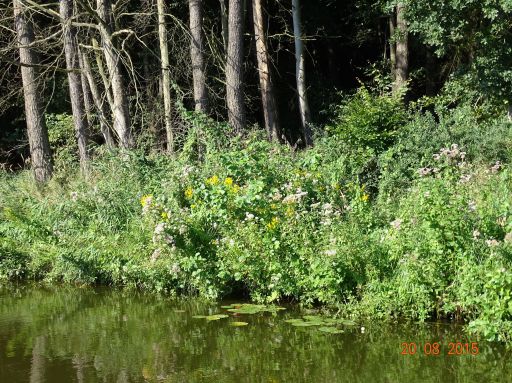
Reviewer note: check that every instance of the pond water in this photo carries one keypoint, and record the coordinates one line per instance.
(66, 334)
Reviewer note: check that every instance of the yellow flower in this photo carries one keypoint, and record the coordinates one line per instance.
(165, 216)
(228, 181)
(189, 192)
(146, 199)
(273, 223)
(212, 180)
(365, 197)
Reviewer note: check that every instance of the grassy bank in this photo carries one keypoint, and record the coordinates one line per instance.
(393, 213)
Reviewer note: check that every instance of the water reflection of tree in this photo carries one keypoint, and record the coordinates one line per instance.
(115, 336)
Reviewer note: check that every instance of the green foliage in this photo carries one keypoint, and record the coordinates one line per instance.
(368, 120)
(416, 231)
(62, 140)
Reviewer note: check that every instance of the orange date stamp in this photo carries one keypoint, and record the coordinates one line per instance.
(437, 348)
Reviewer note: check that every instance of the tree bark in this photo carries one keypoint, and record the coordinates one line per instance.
(402, 49)
(40, 153)
(113, 60)
(392, 45)
(234, 67)
(267, 89)
(224, 23)
(98, 101)
(197, 56)
(166, 76)
(75, 83)
(300, 74)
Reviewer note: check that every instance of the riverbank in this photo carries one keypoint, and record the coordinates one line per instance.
(420, 229)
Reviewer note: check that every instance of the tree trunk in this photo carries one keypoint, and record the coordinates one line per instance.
(166, 76)
(224, 23)
(402, 49)
(113, 59)
(103, 74)
(509, 111)
(267, 89)
(234, 69)
(300, 74)
(75, 84)
(392, 45)
(98, 101)
(197, 55)
(40, 153)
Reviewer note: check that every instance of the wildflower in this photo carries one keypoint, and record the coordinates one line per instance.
(214, 180)
(365, 197)
(160, 228)
(189, 192)
(74, 196)
(169, 239)
(231, 242)
(501, 221)
(472, 206)
(175, 269)
(476, 234)
(362, 329)
(273, 223)
(165, 216)
(330, 252)
(436, 156)
(492, 242)
(396, 223)
(228, 181)
(426, 194)
(465, 178)
(182, 230)
(424, 172)
(508, 238)
(249, 216)
(146, 200)
(277, 196)
(156, 254)
(496, 167)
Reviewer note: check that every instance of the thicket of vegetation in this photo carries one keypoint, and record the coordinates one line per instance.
(391, 201)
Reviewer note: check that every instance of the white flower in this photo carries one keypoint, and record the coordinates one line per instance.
(175, 268)
(492, 242)
(249, 216)
(160, 228)
(476, 234)
(231, 242)
(330, 252)
(472, 206)
(396, 223)
(74, 196)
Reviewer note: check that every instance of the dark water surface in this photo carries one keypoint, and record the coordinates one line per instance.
(68, 334)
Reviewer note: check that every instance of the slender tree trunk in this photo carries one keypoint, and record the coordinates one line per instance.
(402, 49)
(88, 101)
(98, 101)
(224, 23)
(197, 55)
(166, 76)
(510, 111)
(267, 89)
(75, 84)
(103, 74)
(300, 74)
(234, 67)
(392, 45)
(40, 153)
(113, 59)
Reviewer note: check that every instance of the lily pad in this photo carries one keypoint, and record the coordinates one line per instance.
(216, 317)
(199, 316)
(238, 324)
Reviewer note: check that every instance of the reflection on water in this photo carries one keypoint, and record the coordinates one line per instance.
(98, 335)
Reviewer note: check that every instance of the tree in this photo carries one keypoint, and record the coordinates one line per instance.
(267, 88)
(113, 59)
(300, 74)
(234, 62)
(401, 70)
(197, 55)
(76, 93)
(166, 77)
(36, 128)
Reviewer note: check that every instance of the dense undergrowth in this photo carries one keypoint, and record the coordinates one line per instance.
(393, 213)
